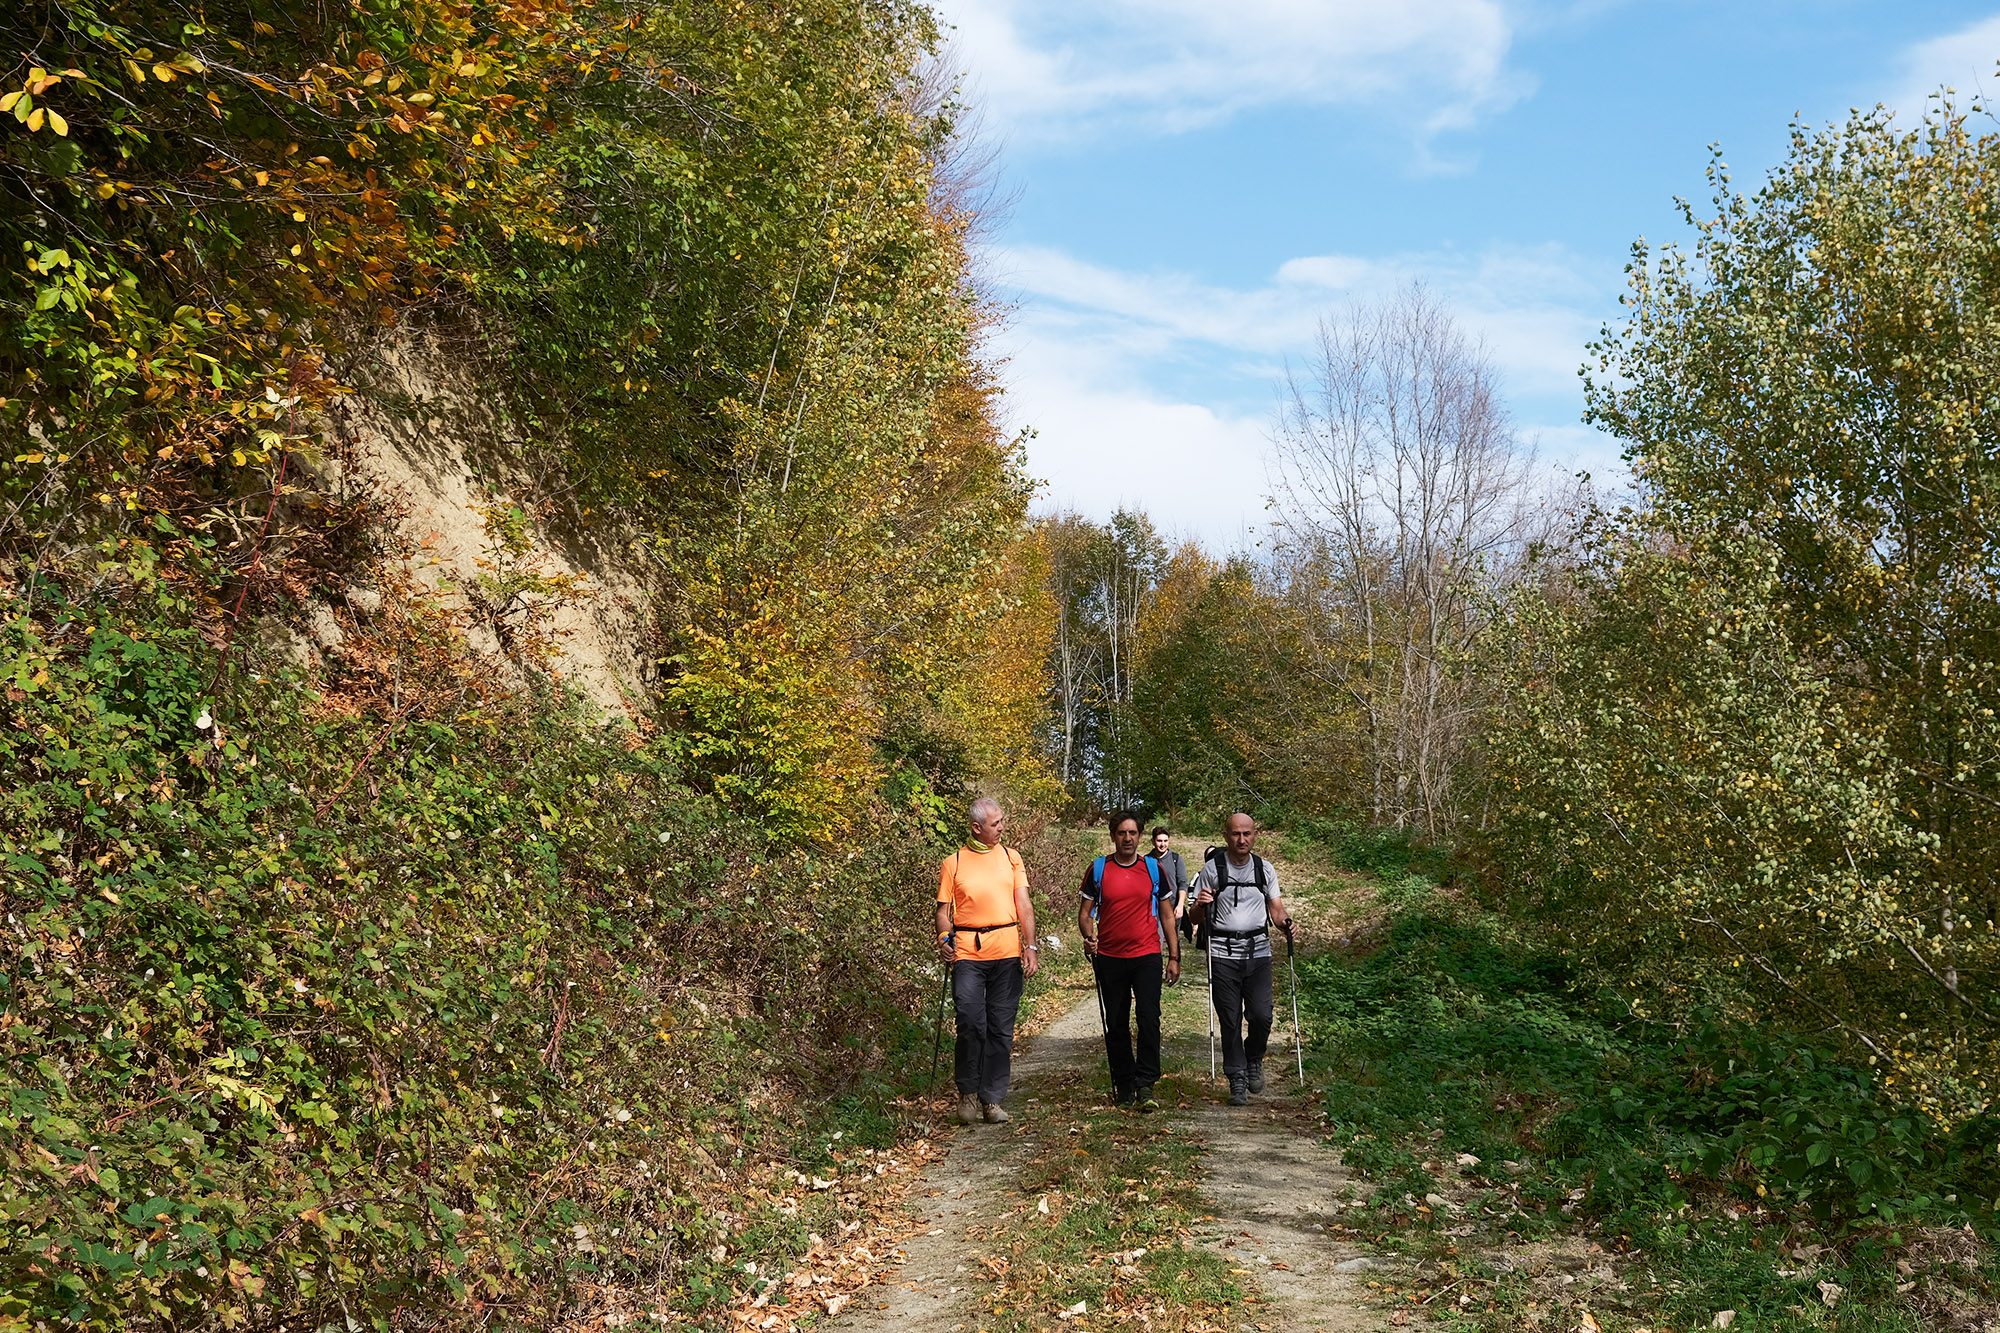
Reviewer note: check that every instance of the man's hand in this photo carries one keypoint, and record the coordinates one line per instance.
(947, 949)
(1031, 961)
(1090, 946)
(1205, 897)
(1173, 971)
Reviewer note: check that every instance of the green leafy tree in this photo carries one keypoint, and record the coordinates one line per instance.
(1807, 401)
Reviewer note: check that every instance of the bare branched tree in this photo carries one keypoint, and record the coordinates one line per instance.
(1404, 491)
(967, 184)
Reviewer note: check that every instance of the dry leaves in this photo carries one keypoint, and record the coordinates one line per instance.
(822, 1282)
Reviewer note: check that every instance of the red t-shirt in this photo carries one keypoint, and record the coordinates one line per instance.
(1128, 923)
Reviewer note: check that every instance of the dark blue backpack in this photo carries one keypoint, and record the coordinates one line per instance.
(1097, 881)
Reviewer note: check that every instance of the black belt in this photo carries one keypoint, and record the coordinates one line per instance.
(979, 932)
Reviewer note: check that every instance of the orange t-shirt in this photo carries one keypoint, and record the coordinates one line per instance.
(980, 888)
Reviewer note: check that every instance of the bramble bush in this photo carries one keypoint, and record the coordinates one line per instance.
(312, 1018)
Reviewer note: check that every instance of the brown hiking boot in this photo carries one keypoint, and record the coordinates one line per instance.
(996, 1114)
(968, 1109)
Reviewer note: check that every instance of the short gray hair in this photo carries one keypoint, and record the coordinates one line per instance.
(982, 810)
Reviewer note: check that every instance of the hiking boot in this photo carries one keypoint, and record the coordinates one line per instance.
(1255, 1078)
(1124, 1098)
(968, 1109)
(996, 1114)
(1239, 1092)
(1145, 1101)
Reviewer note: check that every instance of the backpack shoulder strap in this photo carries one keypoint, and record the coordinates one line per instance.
(1097, 874)
(1153, 871)
(1258, 863)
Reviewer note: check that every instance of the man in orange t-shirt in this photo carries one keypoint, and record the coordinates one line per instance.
(986, 936)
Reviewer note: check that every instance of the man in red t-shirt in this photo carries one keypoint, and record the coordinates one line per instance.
(1122, 920)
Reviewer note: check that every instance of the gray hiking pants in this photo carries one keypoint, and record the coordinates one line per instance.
(987, 995)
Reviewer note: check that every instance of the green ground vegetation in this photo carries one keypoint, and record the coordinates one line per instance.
(468, 1028)
(1718, 1168)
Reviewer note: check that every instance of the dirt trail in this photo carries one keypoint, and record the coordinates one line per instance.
(968, 1185)
(1271, 1183)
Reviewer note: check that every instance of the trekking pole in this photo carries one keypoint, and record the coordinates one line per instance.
(1298, 1038)
(937, 1043)
(1103, 1023)
(1208, 972)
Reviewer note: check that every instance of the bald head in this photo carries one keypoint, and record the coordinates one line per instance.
(1240, 832)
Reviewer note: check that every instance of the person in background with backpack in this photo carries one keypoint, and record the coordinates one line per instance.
(1173, 875)
(1236, 896)
(1123, 918)
(986, 936)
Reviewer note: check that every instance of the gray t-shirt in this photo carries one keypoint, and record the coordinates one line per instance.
(1238, 905)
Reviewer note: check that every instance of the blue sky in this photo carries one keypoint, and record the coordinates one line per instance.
(1200, 180)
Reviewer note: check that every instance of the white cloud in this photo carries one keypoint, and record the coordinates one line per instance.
(1533, 307)
(1196, 472)
(1060, 69)
(1962, 60)
(1157, 389)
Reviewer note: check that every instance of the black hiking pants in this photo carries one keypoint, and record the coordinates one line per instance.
(1242, 989)
(1124, 982)
(987, 995)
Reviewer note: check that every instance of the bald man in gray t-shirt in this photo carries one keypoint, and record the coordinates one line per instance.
(1237, 895)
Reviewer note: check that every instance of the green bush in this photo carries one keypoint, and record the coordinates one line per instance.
(312, 1018)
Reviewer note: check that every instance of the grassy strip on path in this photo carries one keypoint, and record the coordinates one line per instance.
(1104, 1213)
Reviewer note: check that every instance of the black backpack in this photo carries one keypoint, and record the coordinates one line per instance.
(1219, 857)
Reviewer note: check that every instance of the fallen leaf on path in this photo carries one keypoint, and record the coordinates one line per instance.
(1723, 1319)
(1590, 1324)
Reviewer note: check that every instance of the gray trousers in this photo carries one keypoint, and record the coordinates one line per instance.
(1242, 990)
(987, 995)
